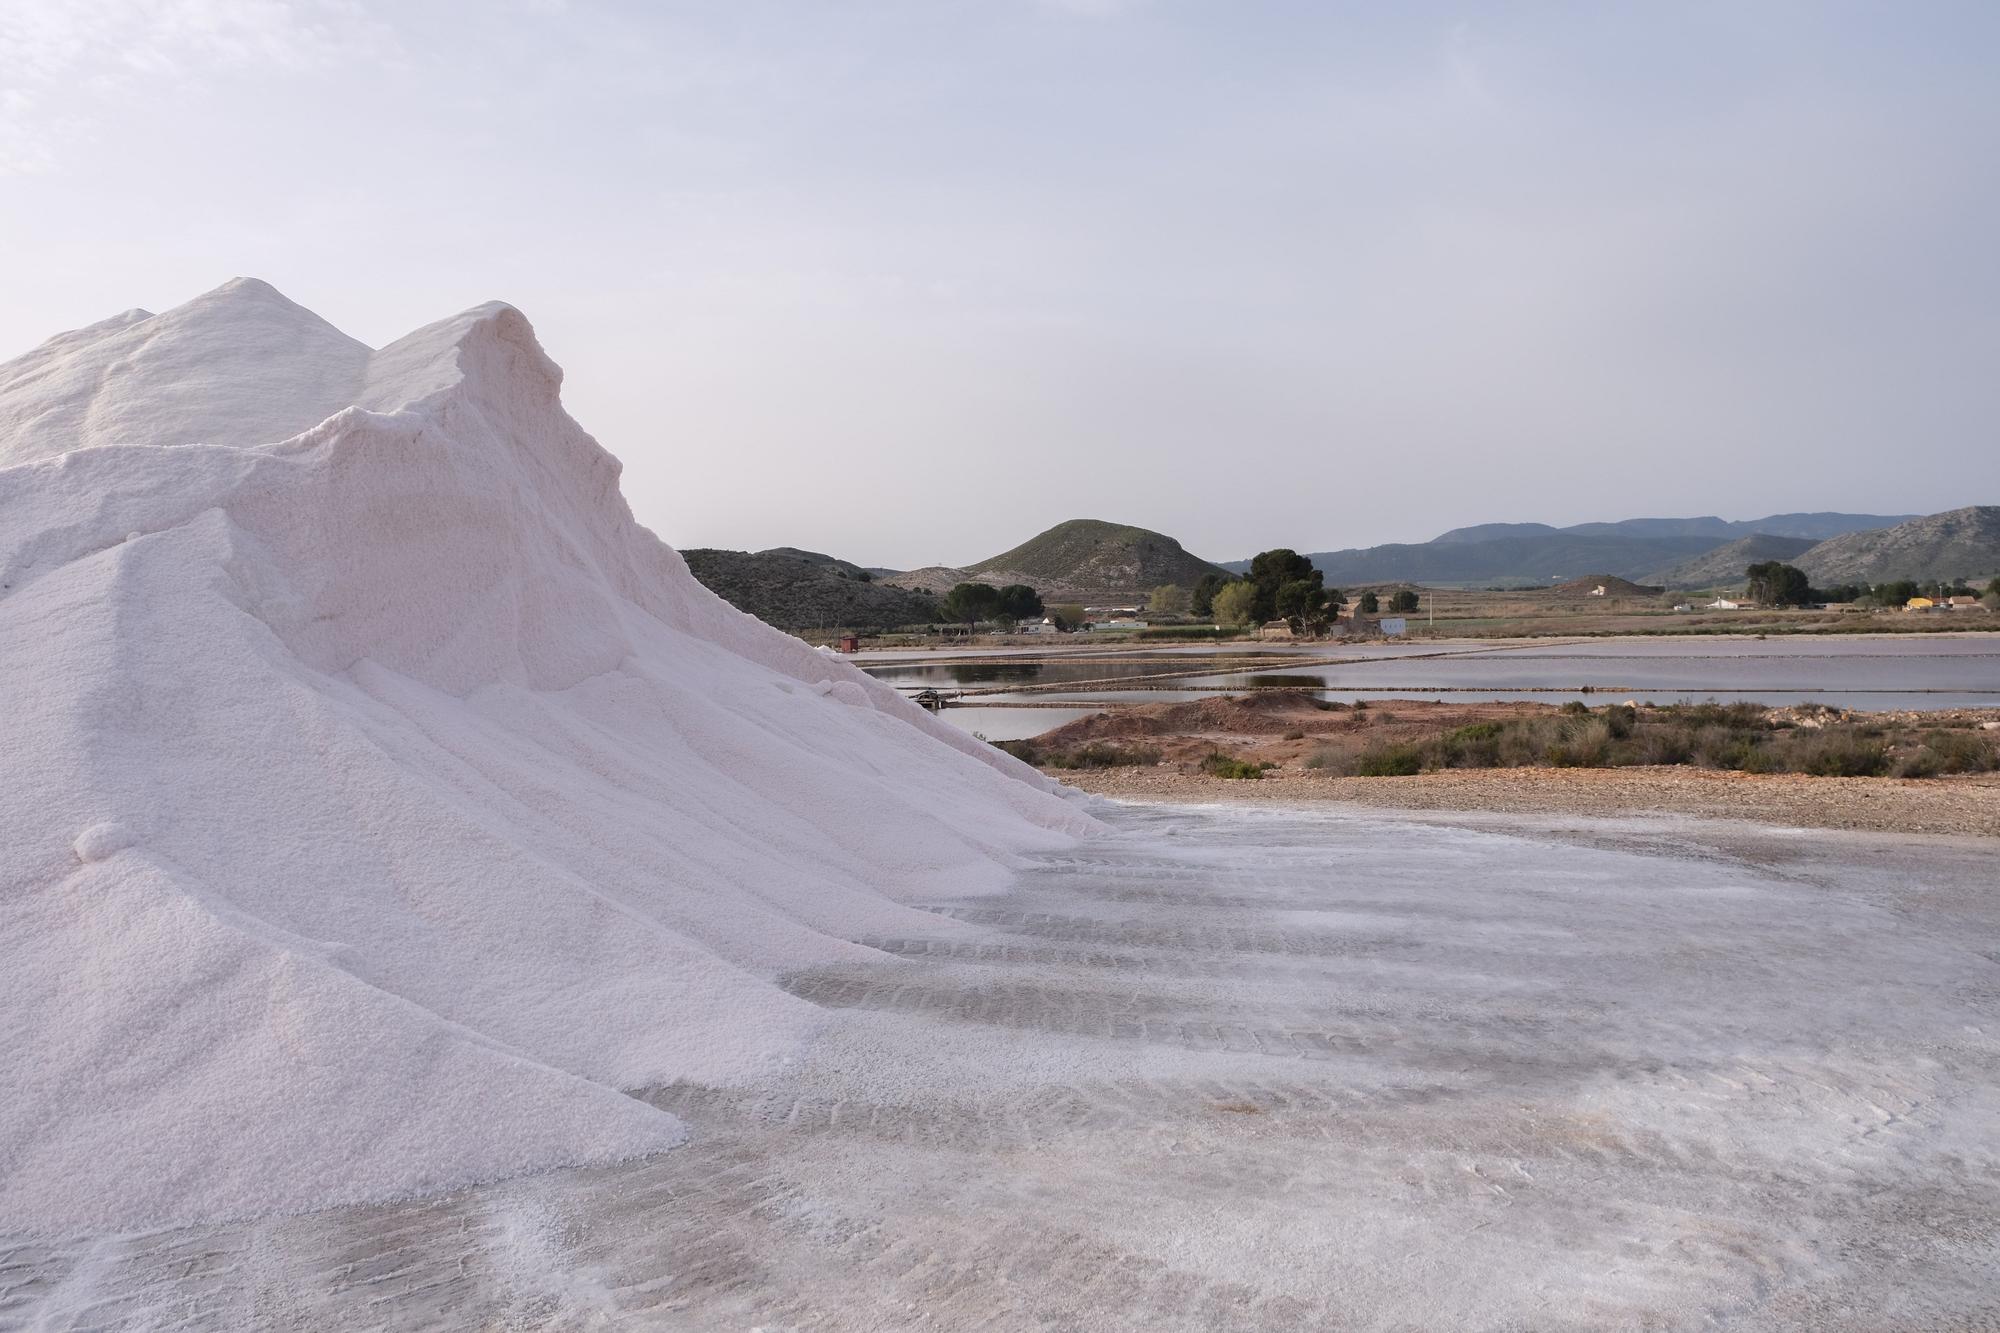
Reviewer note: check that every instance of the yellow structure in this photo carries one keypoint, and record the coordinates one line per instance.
(1919, 604)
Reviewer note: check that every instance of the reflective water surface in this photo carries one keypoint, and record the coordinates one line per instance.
(1873, 672)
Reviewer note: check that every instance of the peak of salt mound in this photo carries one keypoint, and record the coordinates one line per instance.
(240, 365)
(381, 798)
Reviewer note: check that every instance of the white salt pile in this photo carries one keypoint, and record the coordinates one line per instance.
(380, 798)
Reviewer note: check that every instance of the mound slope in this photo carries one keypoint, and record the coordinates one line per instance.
(1088, 557)
(802, 590)
(381, 798)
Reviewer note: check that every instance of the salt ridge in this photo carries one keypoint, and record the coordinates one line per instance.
(382, 799)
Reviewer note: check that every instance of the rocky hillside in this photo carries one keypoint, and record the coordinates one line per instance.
(1089, 556)
(1530, 560)
(804, 590)
(1725, 564)
(1536, 553)
(1960, 543)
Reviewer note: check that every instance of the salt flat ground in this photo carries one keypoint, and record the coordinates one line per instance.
(1268, 1069)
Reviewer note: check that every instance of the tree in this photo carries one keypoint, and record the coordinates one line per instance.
(1300, 600)
(1273, 569)
(1017, 601)
(1202, 601)
(972, 602)
(1068, 616)
(1368, 605)
(1169, 600)
(1775, 583)
(1404, 600)
(1992, 597)
(1335, 599)
(1236, 604)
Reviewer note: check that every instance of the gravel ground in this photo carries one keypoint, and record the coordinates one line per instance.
(1963, 805)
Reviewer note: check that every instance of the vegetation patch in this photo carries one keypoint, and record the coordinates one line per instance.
(1220, 765)
(1739, 737)
(1390, 761)
(1188, 633)
(1092, 754)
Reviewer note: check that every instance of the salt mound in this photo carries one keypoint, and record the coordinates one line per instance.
(380, 798)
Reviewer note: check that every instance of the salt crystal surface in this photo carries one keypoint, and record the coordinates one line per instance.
(381, 798)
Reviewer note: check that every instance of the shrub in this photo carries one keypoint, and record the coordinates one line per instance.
(1838, 756)
(1662, 745)
(1295, 735)
(1958, 752)
(1717, 746)
(1922, 764)
(1476, 745)
(1099, 754)
(1526, 742)
(1025, 751)
(1324, 756)
(1575, 708)
(1740, 716)
(1220, 765)
(1390, 761)
(1583, 745)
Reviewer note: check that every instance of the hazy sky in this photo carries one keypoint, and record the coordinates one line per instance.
(907, 281)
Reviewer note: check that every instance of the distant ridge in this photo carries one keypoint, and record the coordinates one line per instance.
(1538, 553)
(1726, 564)
(1960, 543)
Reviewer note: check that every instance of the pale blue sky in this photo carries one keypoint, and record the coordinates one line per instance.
(908, 281)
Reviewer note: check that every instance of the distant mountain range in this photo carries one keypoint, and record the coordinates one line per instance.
(1092, 561)
(1640, 549)
(1726, 563)
(1816, 527)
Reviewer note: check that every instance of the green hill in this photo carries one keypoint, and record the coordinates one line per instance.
(802, 590)
(1091, 558)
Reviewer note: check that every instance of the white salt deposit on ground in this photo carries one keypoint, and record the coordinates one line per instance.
(381, 799)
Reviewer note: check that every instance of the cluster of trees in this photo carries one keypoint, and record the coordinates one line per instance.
(1282, 585)
(1775, 583)
(970, 603)
(1902, 590)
